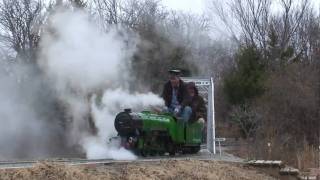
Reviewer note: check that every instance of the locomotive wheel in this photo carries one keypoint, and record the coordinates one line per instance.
(143, 153)
(195, 150)
(185, 151)
(153, 153)
(191, 150)
(172, 153)
(161, 153)
(171, 149)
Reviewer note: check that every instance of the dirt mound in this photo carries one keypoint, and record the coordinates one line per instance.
(166, 169)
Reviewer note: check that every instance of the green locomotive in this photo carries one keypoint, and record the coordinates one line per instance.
(148, 133)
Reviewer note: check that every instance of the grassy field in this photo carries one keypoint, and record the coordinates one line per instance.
(166, 169)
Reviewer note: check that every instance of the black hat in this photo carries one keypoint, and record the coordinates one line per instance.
(176, 72)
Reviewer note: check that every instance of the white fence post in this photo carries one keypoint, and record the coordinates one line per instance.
(213, 116)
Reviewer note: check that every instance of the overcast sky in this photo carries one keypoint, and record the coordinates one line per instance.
(195, 6)
(199, 6)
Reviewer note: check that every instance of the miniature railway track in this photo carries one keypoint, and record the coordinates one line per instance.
(31, 163)
(202, 155)
(28, 164)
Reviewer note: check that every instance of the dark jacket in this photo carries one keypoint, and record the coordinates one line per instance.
(198, 106)
(167, 93)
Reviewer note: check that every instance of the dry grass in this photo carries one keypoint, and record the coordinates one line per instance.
(46, 171)
(303, 157)
(135, 171)
(308, 157)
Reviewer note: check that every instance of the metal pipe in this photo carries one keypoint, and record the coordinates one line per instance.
(212, 115)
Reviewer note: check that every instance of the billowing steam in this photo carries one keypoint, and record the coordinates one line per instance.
(81, 60)
(79, 55)
(73, 98)
(112, 102)
(29, 125)
(84, 61)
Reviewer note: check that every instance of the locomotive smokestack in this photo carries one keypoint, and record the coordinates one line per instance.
(127, 123)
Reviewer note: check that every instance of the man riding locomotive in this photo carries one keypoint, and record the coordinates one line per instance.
(178, 129)
(183, 100)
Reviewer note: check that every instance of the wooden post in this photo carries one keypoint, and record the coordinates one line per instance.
(269, 151)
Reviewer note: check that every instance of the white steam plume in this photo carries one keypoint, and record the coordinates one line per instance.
(113, 102)
(28, 128)
(79, 55)
(83, 60)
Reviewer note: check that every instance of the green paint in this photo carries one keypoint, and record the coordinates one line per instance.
(176, 130)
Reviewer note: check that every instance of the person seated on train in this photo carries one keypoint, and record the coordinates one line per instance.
(196, 103)
(174, 93)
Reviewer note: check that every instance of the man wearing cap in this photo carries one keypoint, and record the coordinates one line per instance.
(174, 93)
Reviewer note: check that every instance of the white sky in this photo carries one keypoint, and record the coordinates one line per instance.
(199, 6)
(194, 6)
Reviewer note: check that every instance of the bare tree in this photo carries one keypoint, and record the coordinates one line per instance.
(108, 10)
(130, 13)
(290, 27)
(281, 37)
(79, 3)
(20, 22)
(247, 118)
(251, 20)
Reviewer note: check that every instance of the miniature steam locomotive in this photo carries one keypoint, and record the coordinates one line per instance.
(146, 133)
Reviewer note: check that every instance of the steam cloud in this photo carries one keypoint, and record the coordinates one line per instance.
(29, 127)
(112, 102)
(82, 70)
(80, 59)
(83, 60)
